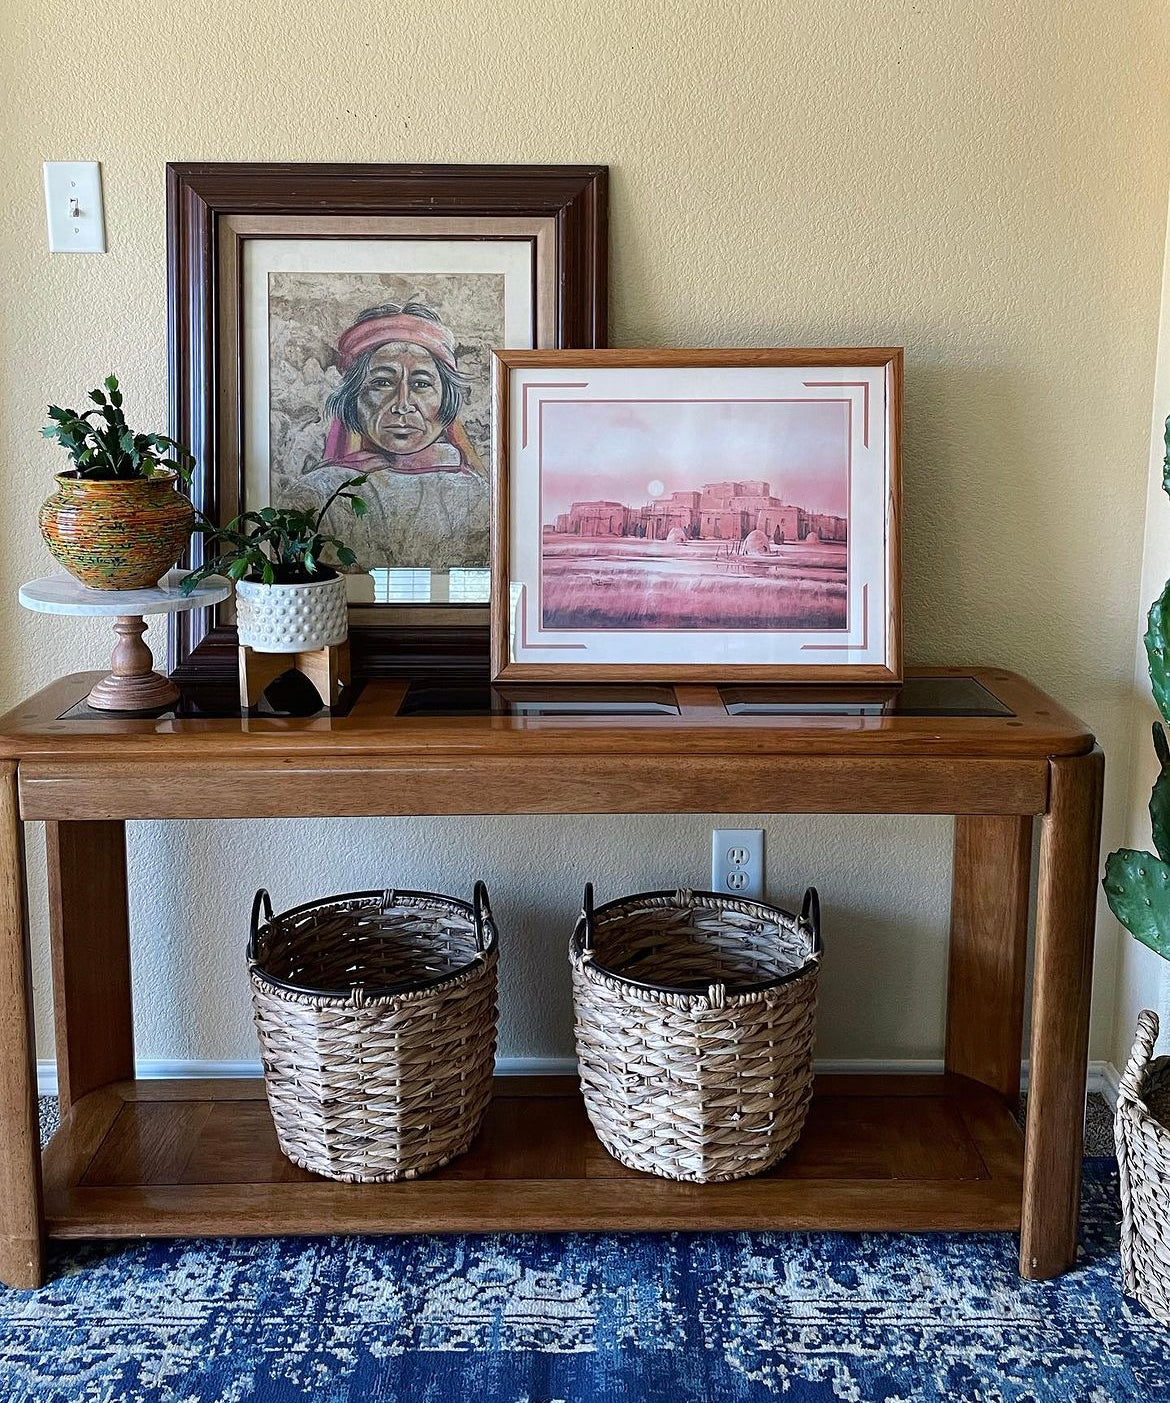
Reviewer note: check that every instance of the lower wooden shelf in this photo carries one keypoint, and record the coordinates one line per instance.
(185, 1158)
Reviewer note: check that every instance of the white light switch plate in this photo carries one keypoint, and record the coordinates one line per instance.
(73, 204)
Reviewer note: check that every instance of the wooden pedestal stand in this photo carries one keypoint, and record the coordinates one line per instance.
(326, 668)
(132, 683)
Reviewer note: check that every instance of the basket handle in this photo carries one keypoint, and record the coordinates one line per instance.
(587, 919)
(1129, 1086)
(261, 903)
(484, 921)
(810, 915)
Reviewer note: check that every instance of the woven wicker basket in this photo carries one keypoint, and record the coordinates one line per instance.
(1143, 1156)
(377, 1020)
(695, 1017)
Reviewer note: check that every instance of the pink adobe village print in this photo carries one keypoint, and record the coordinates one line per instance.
(695, 515)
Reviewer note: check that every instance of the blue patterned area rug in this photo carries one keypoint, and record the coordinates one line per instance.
(731, 1318)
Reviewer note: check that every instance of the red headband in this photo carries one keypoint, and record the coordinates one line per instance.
(382, 331)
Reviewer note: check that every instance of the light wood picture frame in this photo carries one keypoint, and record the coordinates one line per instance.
(706, 515)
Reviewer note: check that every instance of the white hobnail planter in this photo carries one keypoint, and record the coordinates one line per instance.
(291, 618)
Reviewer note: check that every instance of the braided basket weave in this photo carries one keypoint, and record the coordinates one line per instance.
(695, 1018)
(377, 1020)
(1143, 1157)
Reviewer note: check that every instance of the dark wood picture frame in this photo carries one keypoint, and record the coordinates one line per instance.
(201, 195)
(504, 668)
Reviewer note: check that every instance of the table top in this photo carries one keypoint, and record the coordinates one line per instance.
(940, 712)
(62, 594)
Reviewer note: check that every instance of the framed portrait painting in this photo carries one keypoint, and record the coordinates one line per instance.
(327, 322)
(712, 515)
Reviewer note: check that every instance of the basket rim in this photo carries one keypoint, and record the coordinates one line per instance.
(387, 897)
(589, 963)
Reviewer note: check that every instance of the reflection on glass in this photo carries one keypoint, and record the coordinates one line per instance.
(400, 586)
(469, 586)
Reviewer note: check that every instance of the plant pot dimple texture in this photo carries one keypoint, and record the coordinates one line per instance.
(122, 534)
(291, 618)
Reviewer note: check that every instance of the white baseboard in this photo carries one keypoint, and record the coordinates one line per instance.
(1102, 1075)
(1107, 1079)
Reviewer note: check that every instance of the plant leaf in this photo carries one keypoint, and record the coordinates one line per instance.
(1160, 799)
(359, 507)
(1166, 461)
(1157, 641)
(1137, 887)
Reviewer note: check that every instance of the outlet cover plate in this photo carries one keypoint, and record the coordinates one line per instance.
(737, 862)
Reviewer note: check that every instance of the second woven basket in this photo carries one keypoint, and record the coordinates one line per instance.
(695, 1018)
(1143, 1159)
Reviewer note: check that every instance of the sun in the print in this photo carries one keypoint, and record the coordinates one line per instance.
(656, 488)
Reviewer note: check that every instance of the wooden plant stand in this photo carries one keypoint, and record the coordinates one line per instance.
(326, 668)
(172, 1158)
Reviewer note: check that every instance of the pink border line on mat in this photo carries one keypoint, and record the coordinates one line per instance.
(544, 385)
(524, 643)
(846, 647)
(862, 385)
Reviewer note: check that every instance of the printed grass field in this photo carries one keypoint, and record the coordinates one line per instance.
(632, 584)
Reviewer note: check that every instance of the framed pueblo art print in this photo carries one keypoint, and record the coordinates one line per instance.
(712, 515)
(329, 321)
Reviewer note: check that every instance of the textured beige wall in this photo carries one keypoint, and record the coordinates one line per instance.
(984, 183)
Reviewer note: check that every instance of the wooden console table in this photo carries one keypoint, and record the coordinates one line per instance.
(160, 1158)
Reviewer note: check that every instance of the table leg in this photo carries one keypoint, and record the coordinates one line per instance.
(22, 1245)
(989, 950)
(1066, 905)
(90, 931)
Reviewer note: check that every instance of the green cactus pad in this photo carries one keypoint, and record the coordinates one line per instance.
(1157, 642)
(1166, 462)
(1160, 797)
(1137, 887)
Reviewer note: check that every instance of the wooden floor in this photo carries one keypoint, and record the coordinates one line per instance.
(177, 1158)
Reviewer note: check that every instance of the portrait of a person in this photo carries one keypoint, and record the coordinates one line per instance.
(395, 416)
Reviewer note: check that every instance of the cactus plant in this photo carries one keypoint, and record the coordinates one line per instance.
(1137, 884)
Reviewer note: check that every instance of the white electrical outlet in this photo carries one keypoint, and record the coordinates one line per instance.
(737, 862)
(73, 204)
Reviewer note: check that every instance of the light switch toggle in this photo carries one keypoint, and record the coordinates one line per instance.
(73, 204)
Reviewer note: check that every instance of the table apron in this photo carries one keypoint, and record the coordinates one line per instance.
(354, 786)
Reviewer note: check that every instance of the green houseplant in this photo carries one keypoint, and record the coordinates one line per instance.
(289, 596)
(115, 521)
(1137, 887)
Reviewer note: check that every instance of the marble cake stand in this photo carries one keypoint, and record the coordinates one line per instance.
(133, 684)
